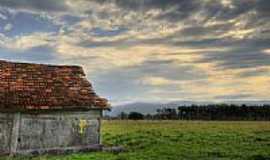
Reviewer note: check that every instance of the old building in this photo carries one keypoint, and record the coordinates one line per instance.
(47, 108)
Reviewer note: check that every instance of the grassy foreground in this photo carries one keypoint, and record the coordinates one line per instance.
(176, 140)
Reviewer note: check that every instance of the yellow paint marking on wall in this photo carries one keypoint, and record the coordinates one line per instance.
(82, 125)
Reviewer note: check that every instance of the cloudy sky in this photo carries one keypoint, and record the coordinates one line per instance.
(148, 50)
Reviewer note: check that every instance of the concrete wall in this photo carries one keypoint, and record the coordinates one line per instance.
(49, 132)
(6, 122)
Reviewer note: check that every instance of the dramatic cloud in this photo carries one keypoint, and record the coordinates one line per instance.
(154, 50)
(47, 5)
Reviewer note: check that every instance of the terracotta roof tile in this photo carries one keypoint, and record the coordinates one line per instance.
(25, 86)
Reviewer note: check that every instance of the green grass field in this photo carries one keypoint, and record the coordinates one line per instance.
(176, 140)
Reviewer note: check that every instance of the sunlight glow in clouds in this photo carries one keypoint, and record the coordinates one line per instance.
(147, 50)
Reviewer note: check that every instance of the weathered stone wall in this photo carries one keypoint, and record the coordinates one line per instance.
(49, 132)
(6, 121)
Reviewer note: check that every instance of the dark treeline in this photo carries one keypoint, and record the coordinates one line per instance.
(205, 112)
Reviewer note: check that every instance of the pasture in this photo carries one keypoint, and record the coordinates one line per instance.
(176, 140)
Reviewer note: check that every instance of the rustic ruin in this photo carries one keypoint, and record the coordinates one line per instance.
(47, 109)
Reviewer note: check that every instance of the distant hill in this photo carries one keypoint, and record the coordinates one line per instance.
(150, 108)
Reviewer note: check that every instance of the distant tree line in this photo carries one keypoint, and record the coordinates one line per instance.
(205, 112)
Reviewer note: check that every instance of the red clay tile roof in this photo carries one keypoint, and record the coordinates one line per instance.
(25, 86)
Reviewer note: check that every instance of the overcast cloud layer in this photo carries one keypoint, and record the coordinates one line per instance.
(148, 50)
